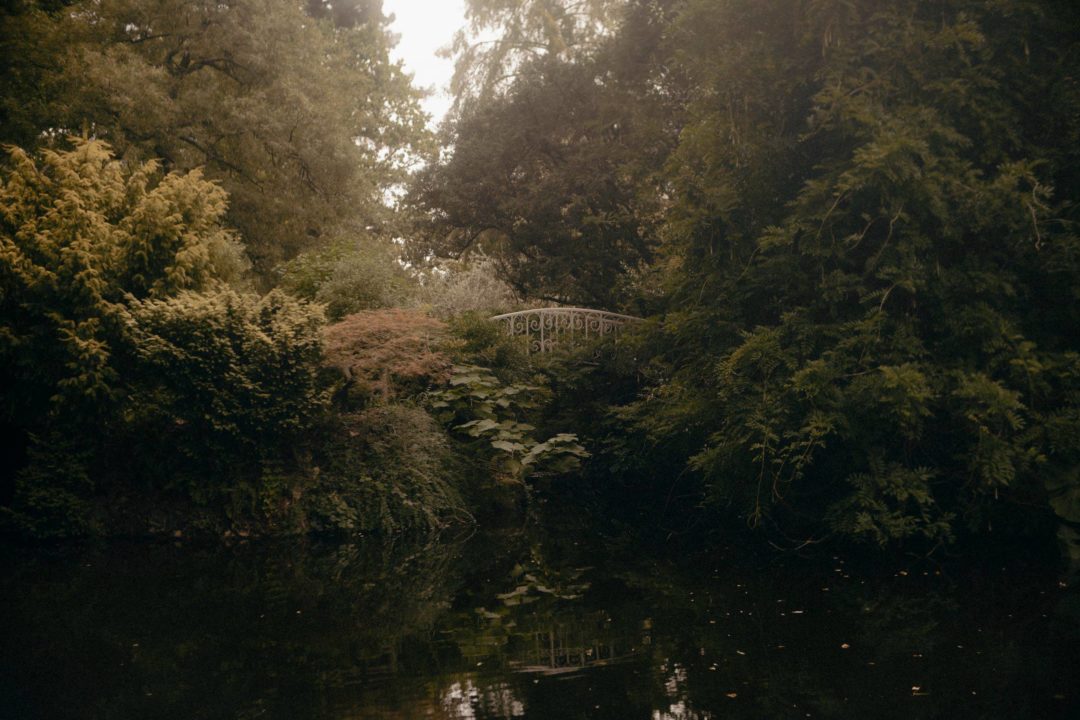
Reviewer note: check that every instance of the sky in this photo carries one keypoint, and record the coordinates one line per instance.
(424, 26)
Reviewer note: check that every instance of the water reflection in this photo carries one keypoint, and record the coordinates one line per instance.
(521, 626)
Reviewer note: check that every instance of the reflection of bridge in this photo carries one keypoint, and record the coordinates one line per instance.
(553, 653)
(549, 647)
(543, 327)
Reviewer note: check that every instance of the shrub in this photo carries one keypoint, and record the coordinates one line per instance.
(477, 340)
(349, 277)
(478, 405)
(81, 236)
(386, 353)
(229, 378)
(53, 490)
(82, 232)
(387, 470)
(475, 287)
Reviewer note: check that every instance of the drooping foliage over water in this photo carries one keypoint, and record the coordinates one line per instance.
(849, 228)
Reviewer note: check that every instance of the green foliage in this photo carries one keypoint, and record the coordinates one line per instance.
(560, 453)
(387, 469)
(504, 36)
(470, 287)
(476, 340)
(82, 232)
(892, 504)
(304, 122)
(861, 260)
(227, 378)
(29, 66)
(362, 283)
(82, 236)
(348, 277)
(555, 177)
(482, 407)
(53, 490)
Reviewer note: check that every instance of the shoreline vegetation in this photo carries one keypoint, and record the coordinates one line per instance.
(850, 230)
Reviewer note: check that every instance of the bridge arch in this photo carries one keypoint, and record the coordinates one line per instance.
(542, 328)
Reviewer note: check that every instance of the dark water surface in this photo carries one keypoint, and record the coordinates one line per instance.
(511, 625)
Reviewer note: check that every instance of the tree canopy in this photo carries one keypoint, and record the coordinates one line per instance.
(850, 227)
(877, 259)
(300, 116)
(852, 223)
(556, 175)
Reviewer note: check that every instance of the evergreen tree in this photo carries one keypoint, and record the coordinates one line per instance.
(81, 237)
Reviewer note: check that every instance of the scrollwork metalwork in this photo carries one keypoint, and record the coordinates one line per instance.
(544, 328)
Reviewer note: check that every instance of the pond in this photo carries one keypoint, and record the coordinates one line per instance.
(519, 624)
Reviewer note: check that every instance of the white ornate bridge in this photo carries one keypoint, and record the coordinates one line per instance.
(542, 328)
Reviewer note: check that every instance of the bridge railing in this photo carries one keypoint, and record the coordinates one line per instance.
(542, 328)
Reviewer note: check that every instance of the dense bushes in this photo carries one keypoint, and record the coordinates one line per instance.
(870, 328)
(227, 381)
(387, 465)
(388, 352)
(349, 277)
(141, 391)
(81, 235)
(468, 287)
(83, 238)
(853, 228)
(386, 468)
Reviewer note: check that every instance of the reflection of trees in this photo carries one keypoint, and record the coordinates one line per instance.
(513, 626)
(538, 625)
(224, 632)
